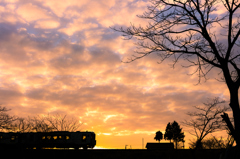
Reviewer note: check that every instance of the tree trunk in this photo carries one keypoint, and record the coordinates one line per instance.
(199, 144)
(229, 124)
(234, 104)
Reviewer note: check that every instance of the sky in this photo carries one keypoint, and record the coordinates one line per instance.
(62, 57)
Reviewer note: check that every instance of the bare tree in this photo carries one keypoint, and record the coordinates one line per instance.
(214, 143)
(30, 124)
(45, 124)
(186, 29)
(62, 123)
(206, 120)
(5, 119)
(40, 124)
(21, 125)
(219, 143)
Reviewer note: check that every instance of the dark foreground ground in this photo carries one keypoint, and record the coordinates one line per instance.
(111, 154)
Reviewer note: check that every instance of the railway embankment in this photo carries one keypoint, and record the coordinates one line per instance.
(112, 154)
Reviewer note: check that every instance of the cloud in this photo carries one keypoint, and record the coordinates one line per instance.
(61, 7)
(62, 57)
(31, 12)
(77, 25)
(47, 24)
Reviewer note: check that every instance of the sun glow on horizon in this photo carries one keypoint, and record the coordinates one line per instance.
(100, 147)
(56, 58)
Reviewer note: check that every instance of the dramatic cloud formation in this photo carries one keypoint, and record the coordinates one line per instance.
(62, 57)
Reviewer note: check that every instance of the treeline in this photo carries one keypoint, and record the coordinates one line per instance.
(172, 132)
(206, 120)
(46, 123)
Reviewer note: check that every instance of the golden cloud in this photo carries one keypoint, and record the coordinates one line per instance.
(31, 12)
(63, 58)
(47, 24)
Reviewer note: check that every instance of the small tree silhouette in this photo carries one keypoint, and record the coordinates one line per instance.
(168, 132)
(178, 135)
(159, 136)
(174, 132)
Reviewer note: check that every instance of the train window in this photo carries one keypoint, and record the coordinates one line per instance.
(43, 137)
(13, 138)
(59, 137)
(1, 137)
(48, 137)
(84, 137)
(55, 137)
(67, 137)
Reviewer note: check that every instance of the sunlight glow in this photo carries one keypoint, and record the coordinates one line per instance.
(108, 117)
(55, 57)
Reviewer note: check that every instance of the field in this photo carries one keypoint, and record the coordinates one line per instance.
(112, 154)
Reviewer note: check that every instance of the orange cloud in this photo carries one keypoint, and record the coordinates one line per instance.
(31, 12)
(77, 25)
(62, 57)
(47, 24)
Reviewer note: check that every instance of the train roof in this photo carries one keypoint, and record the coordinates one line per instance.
(51, 132)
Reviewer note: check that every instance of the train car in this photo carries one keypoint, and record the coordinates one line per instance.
(160, 146)
(56, 139)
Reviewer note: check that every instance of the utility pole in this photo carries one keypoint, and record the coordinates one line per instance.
(142, 143)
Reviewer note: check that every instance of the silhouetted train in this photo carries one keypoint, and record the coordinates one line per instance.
(38, 140)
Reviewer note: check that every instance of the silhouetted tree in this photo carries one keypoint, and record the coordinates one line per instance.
(214, 143)
(21, 125)
(5, 119)
(174, 132)
(178, 135)
(186, 29)
(60, 122)
(40, 124)
(206, 120)
(159, 136)
(229, 127)
(168, 132)
(31, 124)
(45, 124)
